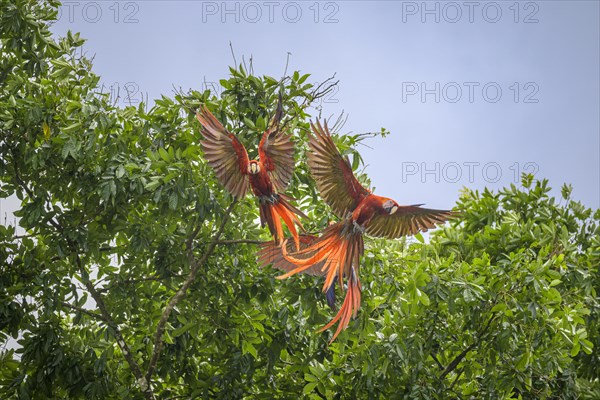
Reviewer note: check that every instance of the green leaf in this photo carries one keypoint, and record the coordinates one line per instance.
(575, 349)
(173, 201)
(153, 184)
(164, 154)
(181, 330)
(523, 362)
(248, 347)
(75, 127)
(355, 161)
(424, 298)
(419, 237)
(309, 387)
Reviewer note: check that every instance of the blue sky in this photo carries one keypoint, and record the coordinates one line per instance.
(473, 93)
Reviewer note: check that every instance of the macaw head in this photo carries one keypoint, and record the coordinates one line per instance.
(390, 206)
(253, 167)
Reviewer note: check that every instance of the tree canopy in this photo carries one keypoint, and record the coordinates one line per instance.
(137, 276)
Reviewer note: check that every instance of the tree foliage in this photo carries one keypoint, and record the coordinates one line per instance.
(137, 274)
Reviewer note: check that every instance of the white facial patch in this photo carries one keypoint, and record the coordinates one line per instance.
(254, 168)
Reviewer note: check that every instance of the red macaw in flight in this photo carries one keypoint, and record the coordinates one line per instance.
(268, 176)
(336, 253)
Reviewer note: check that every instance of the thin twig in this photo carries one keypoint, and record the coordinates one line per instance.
(25, 236)
(83, 310)
(287, 62)
(232, 53)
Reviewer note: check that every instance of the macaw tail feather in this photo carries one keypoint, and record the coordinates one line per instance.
(273, 213)
(349, 307)
(271, 253)
(330, 295)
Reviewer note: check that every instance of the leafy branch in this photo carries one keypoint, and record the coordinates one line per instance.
(181, 293)
(104, 313)
(456, 361)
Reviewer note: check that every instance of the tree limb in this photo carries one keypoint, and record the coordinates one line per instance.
(181, 293)
(241, 241)
(135, 368)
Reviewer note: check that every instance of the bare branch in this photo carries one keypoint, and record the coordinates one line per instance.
(181, 293)
(25, 236)
(323, 89)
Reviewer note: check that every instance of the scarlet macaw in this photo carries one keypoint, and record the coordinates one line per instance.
(336, 253)
(268, 176)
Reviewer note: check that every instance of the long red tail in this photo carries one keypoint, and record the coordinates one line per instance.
(349, 307)
(273, 213)
(338, 250)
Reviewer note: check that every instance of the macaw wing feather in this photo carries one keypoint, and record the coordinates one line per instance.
(276, 151)
(332, 172)
(224, 153)
(407, 220)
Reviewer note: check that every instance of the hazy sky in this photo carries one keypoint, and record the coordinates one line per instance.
(473, 92)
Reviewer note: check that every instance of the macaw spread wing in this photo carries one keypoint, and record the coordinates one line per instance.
(332, 172)
(407, 220)
(276, 152)
(225, 154)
